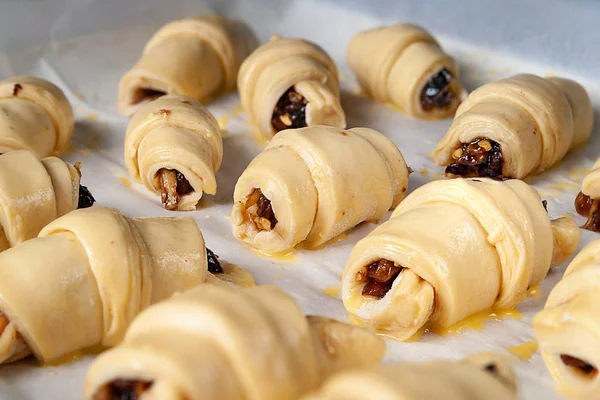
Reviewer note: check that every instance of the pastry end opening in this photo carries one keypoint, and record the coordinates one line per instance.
(437, 92)
(589, 208)
(579, 367)
(173, 185)
(290, 111)
(378, 277)
(482, 157)
(123, 389)
(146, 95)
(259, 212)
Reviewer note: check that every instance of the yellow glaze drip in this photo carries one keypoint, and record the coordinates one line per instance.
(286, 257)
(84, 152)
(223, 121)
(577, 174)
(76, 355)
(92, 117)
(525, 350)
(338, 238)
(424, 172)
(333, 291)
(534, 291)
(354, 320)
(125, 181)
(237, 110)
(477, 321)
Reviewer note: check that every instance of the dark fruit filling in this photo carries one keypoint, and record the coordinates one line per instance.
(290, 111)
(589, 208)
(173, 185)
(379, 277)
(214, 266)
(259, 211)
(121, 389)
(580, 365)
(482, 157)
(437, 93)
(85, 197)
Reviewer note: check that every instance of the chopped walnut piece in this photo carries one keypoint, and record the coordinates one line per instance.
(259, 211)
(173, 185)
(290, 111)
(380, 276)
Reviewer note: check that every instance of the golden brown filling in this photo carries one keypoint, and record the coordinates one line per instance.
(122, 389)
(480, 158)
(437, 91)
(579, 365)
(589, 208)
(258, 210)
(378, 277)
(173, 185)
(290, 111)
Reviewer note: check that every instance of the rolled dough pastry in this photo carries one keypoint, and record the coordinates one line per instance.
(33, 193)
(35, 115)
(312, 184)
(405, 66)
(587, 202)
(451, 249)
(223, 344)
(568, 329)
(173, 146)
(515, 127)
(479, 377)
(196, 57)
(88, 274)
(290, 83)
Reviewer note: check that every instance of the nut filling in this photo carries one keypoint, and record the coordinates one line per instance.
(173, 185)
(482, 157)
(259, 212)
(589, 208)
(214, 266)
(290, 111)
(86, 199)
(437, 92)
(122, 389)
(581, 366)
(379, 277)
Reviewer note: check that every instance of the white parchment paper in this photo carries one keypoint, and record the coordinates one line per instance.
(85, 47)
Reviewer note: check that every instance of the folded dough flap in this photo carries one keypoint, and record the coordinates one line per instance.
(119, 260)
(50, 296)
(435, 287)
(591, 183)
(323, 106)
(372, 53)
(517, 225)
(581, 107)
(234, 337)
(27, 196)
(50, 98)
(65, 182)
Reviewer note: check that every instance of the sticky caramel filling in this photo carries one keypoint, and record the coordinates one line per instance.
(290, 111)
(173, 185)
(437, 92)
(582, 368)
(589, 208)
(378, 277)
(480, 158)
(146, 95)
(122, 389)
(258, 211)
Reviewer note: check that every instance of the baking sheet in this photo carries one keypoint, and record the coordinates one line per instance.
(85, 47)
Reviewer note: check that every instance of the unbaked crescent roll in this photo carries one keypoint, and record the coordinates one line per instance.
(405, 66)
(312, 184)
(568, 329)
(213, 343)
(196, 57)
(451, 249)
(173, 146)
(479, 377)
(290, 83)
(35, 192)
(88, 274)
(515, 127)
(35, 115)
(587, 202)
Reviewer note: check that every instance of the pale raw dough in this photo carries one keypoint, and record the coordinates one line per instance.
(35, 115)
(33, 193)
(321, 181)
(88, 274)
(591, 182)
(466, 245)
(448, 380)
(223, 344)
(196, 57)
(394, 63)
(284, 63)
(178, 133)
(569, 325)
(535, 120)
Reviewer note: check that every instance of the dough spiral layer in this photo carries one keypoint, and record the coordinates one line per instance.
(587, 202)
(533, 121)
(311, 184)
(219, 343)
(290, 83)
(173, 146)
(568, 328)
(405, 66)
(454, 248)
(88, 274)
(35, 115)
(479, 377)
(195, 57)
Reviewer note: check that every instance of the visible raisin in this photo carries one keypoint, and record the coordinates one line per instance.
(121, 389)
(589, 208)
(491, 368)
(583, 366)
(290, 111)
(183, 185)
(86, 199)
(437, 93)
(380, 277)
(545, 204)
(260, 211)
(482, 157)
(173, 185)
(214, 266)
(16, 89)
